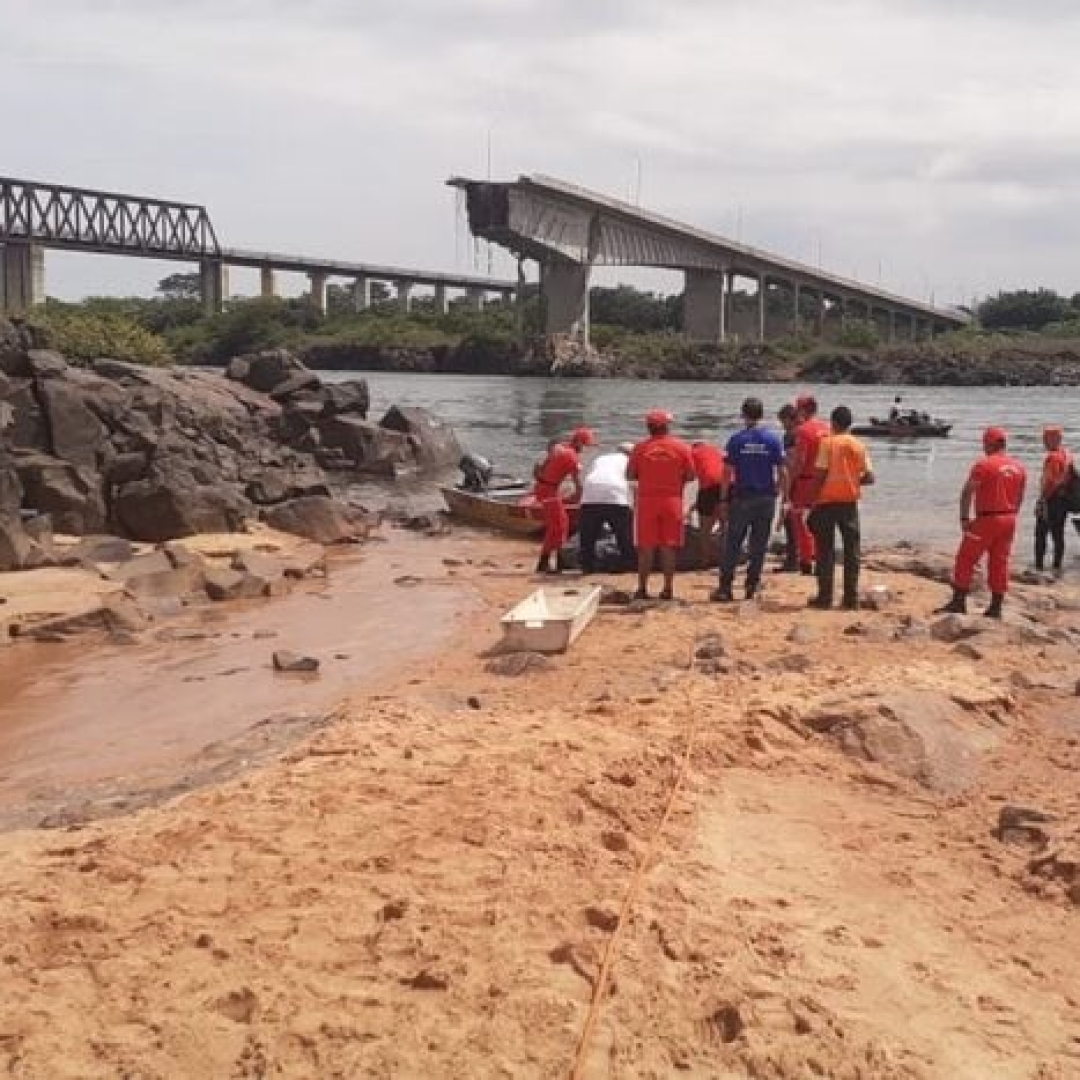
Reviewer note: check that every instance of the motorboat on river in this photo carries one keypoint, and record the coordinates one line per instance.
(903, 428)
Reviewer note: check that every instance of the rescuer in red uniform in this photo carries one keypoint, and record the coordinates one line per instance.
(561, 463)
(662, 466)
(803, 476)
(995, 487)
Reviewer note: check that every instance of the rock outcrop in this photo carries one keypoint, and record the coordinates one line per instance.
(152, 454)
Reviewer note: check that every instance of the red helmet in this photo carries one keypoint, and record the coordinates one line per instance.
(995, 436)
(659, 418)
(583, 436)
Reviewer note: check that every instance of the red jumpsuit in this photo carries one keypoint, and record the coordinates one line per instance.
(999, 488)
(808, 436)
(561, 463)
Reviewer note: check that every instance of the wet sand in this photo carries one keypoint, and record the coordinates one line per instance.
(87, 723)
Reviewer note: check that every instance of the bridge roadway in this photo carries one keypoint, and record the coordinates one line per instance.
(568, 230)
(35, 217)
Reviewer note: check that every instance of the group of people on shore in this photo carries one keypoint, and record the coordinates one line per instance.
(807, 479)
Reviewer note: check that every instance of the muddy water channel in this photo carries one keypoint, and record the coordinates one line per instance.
(89, 729)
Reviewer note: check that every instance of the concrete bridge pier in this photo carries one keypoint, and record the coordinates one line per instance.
(442, 301)
(361, 294)
(213, 285)
(704, 301)
(22, 277)
(474, 297)
(267, 282)
(317, 290)
(762, 289)
(564, 292)
(403, 295)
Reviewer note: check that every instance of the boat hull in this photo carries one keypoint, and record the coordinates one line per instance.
(902, 431)
(504, 512)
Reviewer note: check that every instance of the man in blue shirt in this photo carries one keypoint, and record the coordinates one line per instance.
(756, 473)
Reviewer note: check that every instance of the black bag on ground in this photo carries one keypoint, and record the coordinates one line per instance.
(1070, 490)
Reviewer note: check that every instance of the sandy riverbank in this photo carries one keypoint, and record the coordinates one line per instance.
(427, 887)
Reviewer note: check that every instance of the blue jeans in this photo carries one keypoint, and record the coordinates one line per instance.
(750, 516)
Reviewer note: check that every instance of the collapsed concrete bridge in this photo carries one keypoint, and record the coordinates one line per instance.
(568, 230)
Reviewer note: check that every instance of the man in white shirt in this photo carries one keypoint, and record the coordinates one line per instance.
(605, 500)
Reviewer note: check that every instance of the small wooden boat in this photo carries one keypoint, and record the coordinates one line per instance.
(510, 510)
(900, 429)
(549, 619)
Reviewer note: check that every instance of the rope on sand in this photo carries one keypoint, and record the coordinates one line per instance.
(577, 1070)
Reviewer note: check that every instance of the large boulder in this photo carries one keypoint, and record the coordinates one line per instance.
(318, 518)
(162, 507)
(74, 498)
(267, 370)
(368, 446)
(76, 434)
(434, 443)
(348, 397)
(26, 429)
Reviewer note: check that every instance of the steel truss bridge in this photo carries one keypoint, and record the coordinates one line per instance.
(38, 216)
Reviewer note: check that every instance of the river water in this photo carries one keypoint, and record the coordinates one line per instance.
(509, 420)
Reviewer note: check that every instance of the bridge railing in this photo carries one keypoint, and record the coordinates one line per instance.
(102, 221)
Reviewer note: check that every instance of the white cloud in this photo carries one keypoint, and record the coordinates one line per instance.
(936, 143)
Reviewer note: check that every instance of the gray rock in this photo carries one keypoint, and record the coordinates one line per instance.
(317, 518)
(435, 446)
(284, 660)
(367, 446)
(163, 508)
(270, 369)
(951, 628)
(350, 396)
(294, 384)
(101, 549)
(223, 584)
(77, 435)
(153, 575)
(74, 498)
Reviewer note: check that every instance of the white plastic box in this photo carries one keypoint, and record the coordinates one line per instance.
(549, 619)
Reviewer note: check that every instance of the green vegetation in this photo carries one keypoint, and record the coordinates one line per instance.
(636, 333)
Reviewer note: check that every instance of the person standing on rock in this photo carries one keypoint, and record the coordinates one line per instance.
(1052, 509)
(995, 488)
(756, 473)
(662, 465)
(605, 500)
(841, 471)
(561, 463)
(803, 476)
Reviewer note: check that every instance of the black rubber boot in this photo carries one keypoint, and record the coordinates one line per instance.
(994, 610)
(543, 565)
(957, 605)
(806, 569)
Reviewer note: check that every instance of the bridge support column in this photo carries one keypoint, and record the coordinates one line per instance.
(821, 314)
(317, 290)
(474, 296)
(892, 325)
(361, 294)
(22, 277)
(403, 295)
(442, 302)
(564, 292)
(267, 282)
(796, 314)
(703, 305)
(213, 285)
(762, 289)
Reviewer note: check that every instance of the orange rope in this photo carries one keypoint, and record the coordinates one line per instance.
(603, 976)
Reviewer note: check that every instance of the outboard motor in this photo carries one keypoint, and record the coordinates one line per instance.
(476, 471)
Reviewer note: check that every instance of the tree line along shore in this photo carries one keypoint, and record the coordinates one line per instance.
(1023, 338)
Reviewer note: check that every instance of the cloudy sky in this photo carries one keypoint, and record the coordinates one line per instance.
(934, 147)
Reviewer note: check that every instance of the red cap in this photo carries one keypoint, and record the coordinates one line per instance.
(659, 418)
(995, 436)
(806, 403)
(583, 436)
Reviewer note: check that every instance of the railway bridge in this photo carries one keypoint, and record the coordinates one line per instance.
(36, 217)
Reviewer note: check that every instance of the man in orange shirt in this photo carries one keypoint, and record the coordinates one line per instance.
(662, 466)
(996, 488)
(841, 470)
(561, 463)
(802, 476)
(1052, 509)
